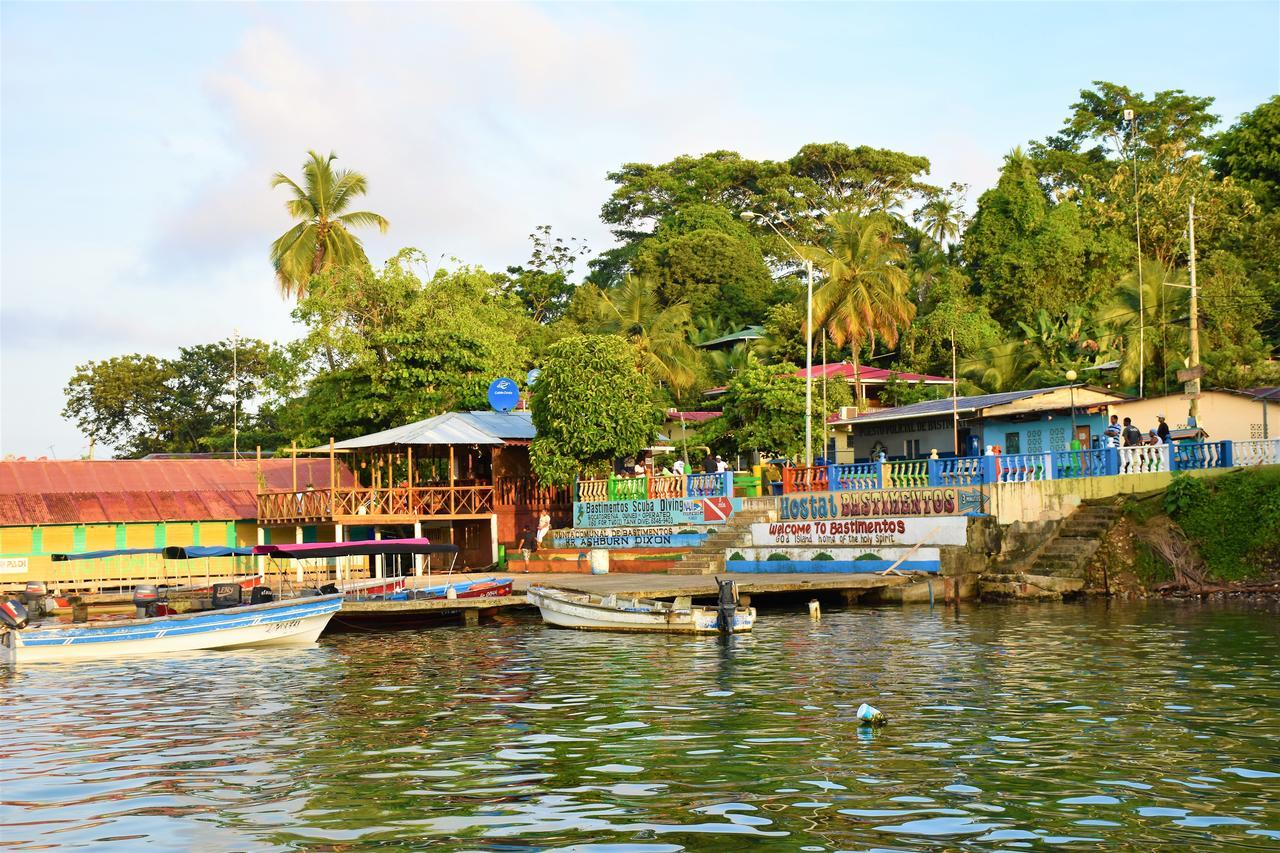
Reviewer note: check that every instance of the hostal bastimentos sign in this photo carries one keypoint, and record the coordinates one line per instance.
(905, 502)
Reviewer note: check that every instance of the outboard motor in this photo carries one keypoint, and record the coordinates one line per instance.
(226, 595)
(726, 604)
(13, 615)
(261, 595)
(145, 598)
(330, 589)
(34, 598)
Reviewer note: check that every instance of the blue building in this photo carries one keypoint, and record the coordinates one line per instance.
(1032, 421)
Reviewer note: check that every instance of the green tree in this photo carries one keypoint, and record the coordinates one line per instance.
(1026, 253)
(783, 334)
(715, 273)
(591, 406)
(1147, 325)
(321, 239)
(659, 334)
(941, 216)
(763, 411)
(543, 284)
(1249, 153)
(406, 348)
(858, 180)
(140, 404)
(865, 296)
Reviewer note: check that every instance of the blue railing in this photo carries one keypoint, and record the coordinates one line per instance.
(857, 477)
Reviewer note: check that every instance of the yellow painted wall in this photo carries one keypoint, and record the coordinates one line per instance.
(1224, 416)
(18, 543)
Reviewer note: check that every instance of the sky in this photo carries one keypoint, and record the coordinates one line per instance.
(137, 140)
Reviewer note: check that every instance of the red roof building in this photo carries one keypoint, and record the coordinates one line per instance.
(44, 491)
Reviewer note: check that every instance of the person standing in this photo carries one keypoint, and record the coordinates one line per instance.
(1132, 435)
(721, 465)
(1111, 435)
(709, 464)
(544, 527)
(528, 544)
(1163, 430)
(679, 468)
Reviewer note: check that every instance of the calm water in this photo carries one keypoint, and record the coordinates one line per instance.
(1040, 727)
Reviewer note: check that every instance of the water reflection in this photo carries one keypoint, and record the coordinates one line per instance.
(1048, 726)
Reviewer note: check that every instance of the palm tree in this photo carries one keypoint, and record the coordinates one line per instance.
(661, 335)
(1004, 367)
(941, 218)
(865, 297)
(1163, 312)
(320, 240)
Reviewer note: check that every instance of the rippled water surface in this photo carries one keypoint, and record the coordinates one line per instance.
(1040, 727)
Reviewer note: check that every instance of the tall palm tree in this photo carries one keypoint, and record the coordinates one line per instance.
(941, 218)
(866, 295)
(661, 335)
(1161, 344)
(320, 240)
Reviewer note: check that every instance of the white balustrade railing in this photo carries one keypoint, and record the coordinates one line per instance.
(1144, 459)
(1261, 451)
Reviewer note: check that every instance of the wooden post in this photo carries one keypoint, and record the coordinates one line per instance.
(377, 560)
(417, 558)
(333, 476)
(294, 451)
(298, 537)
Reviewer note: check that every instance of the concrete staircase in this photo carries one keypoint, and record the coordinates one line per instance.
(708, 558)
(1057, 568)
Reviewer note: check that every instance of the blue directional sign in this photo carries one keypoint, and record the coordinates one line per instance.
(504, 394)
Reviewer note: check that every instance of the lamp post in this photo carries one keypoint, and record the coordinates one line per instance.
(1071, 390)
(749, 216)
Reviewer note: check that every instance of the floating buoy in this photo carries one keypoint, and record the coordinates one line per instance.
(869, 716)
(815, 612)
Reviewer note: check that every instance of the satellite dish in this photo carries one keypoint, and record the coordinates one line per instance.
(532, 376)
(504, 394)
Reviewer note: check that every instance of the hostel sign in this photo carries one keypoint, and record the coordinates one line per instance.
(911, 503)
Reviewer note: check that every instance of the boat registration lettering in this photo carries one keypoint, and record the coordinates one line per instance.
(276, 627)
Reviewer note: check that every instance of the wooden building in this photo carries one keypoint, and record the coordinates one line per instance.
(460, 477)
(73, 506)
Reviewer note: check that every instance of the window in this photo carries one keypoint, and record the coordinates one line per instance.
(1035, 441)
(1058, 438)
(1012, 442)
(848, 441)
(911, 448)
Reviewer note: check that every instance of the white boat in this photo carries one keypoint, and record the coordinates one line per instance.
(291, 622)
(567, 609)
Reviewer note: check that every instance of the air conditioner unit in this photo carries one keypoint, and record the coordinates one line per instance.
(848, 412)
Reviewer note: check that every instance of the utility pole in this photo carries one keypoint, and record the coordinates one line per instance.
(1132, 118)
(1193, 387)
(955, 402)
(808, 369)
(824, 396)
(235, 394)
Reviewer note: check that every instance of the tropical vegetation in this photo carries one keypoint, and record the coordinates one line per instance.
(704, 291)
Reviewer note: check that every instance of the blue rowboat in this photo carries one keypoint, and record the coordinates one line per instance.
(291, 622)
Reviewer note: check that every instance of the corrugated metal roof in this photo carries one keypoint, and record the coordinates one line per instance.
(451, 428)
(944, 406)
(750, 333)
(45, 491)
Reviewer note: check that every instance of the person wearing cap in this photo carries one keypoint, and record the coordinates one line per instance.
(1163, 430)
(721, 465)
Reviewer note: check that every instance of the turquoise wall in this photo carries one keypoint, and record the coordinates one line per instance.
(1039, 436)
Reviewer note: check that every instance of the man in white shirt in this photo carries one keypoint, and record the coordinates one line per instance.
(721, 465)
(679, 468)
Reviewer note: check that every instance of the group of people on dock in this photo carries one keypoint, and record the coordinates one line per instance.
(1128, 435)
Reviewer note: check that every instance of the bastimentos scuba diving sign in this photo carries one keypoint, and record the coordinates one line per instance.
(884, 502)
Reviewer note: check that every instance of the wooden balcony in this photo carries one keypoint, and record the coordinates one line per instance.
(405, 505)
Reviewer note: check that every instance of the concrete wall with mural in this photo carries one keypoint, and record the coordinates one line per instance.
(776, 558)
(830, 506)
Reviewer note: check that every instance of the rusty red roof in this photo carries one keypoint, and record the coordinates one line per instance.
(45, 491)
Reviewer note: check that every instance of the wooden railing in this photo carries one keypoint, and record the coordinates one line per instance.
(530, 492)
(293, 506)
(301, 507)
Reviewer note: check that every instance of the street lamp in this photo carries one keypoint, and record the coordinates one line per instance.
(1071, 389)
(749, 216)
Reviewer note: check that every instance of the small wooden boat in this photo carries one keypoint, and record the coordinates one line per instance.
(481, 588)
(566, 609)
(291, 622)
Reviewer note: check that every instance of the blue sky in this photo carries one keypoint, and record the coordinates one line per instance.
(137, 140)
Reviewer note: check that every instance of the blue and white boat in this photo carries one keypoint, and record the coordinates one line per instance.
(290, 622)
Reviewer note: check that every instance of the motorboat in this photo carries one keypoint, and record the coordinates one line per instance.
(587, 611)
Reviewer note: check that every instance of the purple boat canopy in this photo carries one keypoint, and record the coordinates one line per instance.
(372, 547)
(173, 552)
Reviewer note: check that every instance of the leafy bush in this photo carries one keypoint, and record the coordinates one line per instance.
(1184, 492)
(1235, 523)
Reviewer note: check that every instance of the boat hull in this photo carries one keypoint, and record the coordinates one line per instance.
(294, 622)
(582, 612)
